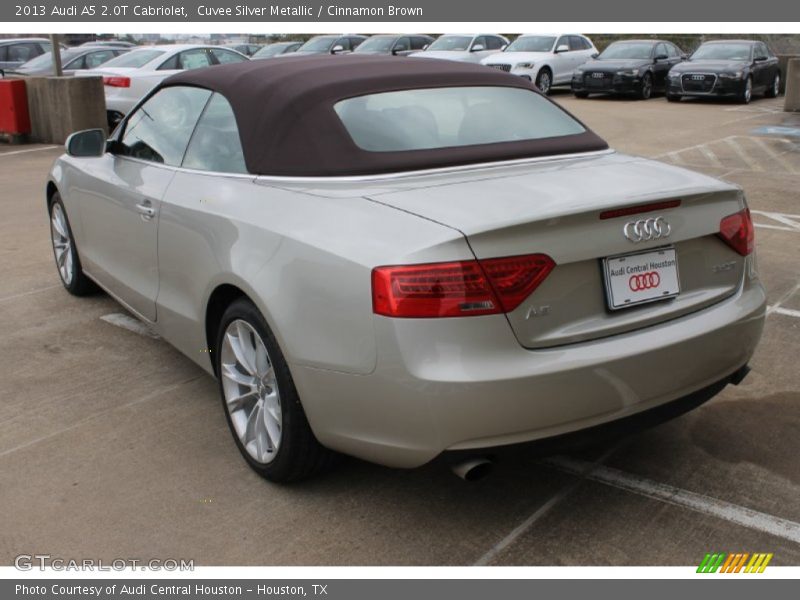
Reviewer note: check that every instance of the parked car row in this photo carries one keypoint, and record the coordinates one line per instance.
(724, 68)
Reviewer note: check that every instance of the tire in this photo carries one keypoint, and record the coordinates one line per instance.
(268, 422)
(65, 251)
(544, 80)
(747, 93)
(673, 98)
(581, 94)
(646, 90)
(775, 89)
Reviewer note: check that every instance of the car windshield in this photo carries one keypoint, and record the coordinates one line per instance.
(722, 52)
(451, 116)
(453, 43)
(531, 43)
(270, 50)
(636, 50)
(46, 59)
(377, 43)
(134, 59)
(318, 44)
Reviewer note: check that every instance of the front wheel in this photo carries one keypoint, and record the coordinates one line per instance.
(747, 93)
(261, 403)
(647, 87)
(775, 88)
(544, 81)
(65, 251)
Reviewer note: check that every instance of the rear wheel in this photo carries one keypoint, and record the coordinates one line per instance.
(544, 80)
(65, 251)
(261, 403)
(647, 87)
(747, 93)
(775, 88)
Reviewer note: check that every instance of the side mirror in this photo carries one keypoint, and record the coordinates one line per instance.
(503, 47)
(661, 57)
(399, 49)
(337, 49)
(478, 48)
(759, 59)
(684, 57)
(86, 143)
(425, 47)
(562, 48)
(595, 54)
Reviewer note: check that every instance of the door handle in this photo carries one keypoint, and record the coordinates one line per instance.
(146, 209)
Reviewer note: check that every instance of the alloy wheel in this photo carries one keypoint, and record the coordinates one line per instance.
(776, 86)
(647, 87)
(62, 243)
(251, 392)
(748, 90)
(544, 82)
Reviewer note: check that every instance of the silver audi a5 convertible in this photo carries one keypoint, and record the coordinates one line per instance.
(397, 259)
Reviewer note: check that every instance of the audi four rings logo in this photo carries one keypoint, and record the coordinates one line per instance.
(647, 229)
(698, 77)
(644, 281)
(597, 75)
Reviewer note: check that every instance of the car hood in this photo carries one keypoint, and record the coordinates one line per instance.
(447, 54)
(614, 65)
(512, 58)
(708, 65)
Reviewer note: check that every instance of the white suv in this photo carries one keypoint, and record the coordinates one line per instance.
(545, 59)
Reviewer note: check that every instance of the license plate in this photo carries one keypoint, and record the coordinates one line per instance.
(642, 277)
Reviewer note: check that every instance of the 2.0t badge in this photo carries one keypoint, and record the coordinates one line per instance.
(647, 229)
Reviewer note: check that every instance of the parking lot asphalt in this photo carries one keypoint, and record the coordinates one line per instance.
(113, 445)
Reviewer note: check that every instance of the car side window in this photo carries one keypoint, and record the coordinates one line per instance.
(494, 43)
(575, 43)
(215, 144)
(97, 58)
(171, 64)
(562, 41)
(479, 41)
(3, 53)
(159, 130)
(419, 43)
(196, 58)
(226, 56)
(22, 52)
(672, 51)
(355, 43)
(761, 51)
(402, 44)
(660, 50)
(344, 43)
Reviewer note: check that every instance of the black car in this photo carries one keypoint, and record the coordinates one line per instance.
(636, 67)
(399, 45)
(727, 69)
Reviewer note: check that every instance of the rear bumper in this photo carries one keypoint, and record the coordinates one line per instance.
(467, 384)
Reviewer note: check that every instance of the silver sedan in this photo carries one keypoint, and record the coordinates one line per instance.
(397, 259)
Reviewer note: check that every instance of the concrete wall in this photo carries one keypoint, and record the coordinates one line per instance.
(783, 63)
(59, 106)
(792, 99)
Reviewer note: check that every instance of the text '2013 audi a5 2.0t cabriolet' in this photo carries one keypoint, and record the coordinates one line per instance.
(397, 259)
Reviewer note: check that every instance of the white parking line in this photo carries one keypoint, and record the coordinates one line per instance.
(27, 150)
(733, 513)
(789, 312)
(131, 324)
(520, 529)
(23, 294)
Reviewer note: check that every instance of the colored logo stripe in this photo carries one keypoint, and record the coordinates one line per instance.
(734, 563)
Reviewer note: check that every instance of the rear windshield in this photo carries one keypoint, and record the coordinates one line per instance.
(451, 116)
(135, 59)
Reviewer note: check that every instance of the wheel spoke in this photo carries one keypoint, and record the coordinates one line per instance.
(59, 224)
(273, 429)
(261, 359)
(231, 372)
(235, 342)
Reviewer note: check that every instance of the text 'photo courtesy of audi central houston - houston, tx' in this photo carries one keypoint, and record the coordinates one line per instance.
(399, 259)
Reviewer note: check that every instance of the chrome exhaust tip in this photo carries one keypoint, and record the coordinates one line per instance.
(473, 469)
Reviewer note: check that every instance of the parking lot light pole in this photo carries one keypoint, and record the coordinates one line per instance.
(57, 70)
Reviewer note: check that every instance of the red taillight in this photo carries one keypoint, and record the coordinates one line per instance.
(121, 82)
(457, 289)
(738, 232)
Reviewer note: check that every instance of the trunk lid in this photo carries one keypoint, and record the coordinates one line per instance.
(554, 207)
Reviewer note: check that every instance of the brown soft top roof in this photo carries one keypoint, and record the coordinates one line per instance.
(287, 124)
